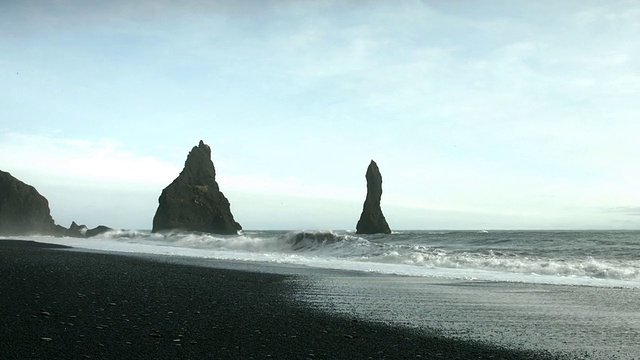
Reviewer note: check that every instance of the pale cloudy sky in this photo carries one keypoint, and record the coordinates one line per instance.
(480, 114)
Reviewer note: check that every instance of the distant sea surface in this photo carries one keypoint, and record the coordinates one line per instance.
(568, 292)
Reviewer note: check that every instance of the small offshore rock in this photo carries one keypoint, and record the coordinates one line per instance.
(80, 231)
(100, 229)
(75, 230)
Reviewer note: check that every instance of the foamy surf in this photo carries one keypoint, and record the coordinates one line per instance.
(568, 258)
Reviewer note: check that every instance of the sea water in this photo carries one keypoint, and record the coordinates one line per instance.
(595, 258)
(568, 291)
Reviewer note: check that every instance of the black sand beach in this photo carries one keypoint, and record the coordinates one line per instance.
(58, 304)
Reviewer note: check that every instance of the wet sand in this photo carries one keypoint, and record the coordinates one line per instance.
(581, 322)
(60, 304)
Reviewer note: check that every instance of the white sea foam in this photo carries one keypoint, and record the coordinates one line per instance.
(327, 249)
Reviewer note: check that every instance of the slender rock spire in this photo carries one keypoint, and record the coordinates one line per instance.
(372, 220)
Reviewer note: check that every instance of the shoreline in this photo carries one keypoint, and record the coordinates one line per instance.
(68, 304)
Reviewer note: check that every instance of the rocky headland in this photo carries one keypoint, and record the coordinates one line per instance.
(372, 220)
(193, 201)
(24, 211)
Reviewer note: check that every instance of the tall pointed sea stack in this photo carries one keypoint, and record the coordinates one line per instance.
(193, 201)
(371, 220)
(22, 209)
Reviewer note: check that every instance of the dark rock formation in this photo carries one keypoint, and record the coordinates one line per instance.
(22, 209)
(371, 220)
(80, 231)
(101, 229)
(76, 230)
(59, 230)
(193, 201)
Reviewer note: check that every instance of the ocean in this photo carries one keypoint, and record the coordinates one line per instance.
(573, 292)
(594, 258)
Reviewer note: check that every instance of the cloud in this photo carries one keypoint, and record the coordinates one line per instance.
(64, 160)
(88, 181)
(626, 210)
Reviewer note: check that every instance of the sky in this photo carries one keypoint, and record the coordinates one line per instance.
(479, 114)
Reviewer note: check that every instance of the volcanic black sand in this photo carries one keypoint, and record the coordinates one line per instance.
(59, 304)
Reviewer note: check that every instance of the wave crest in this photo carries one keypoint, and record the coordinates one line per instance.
(345, 249)
(305, 240)
(509, 263)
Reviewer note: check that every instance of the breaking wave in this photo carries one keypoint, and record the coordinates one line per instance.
(504, 262)
(413, 255)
